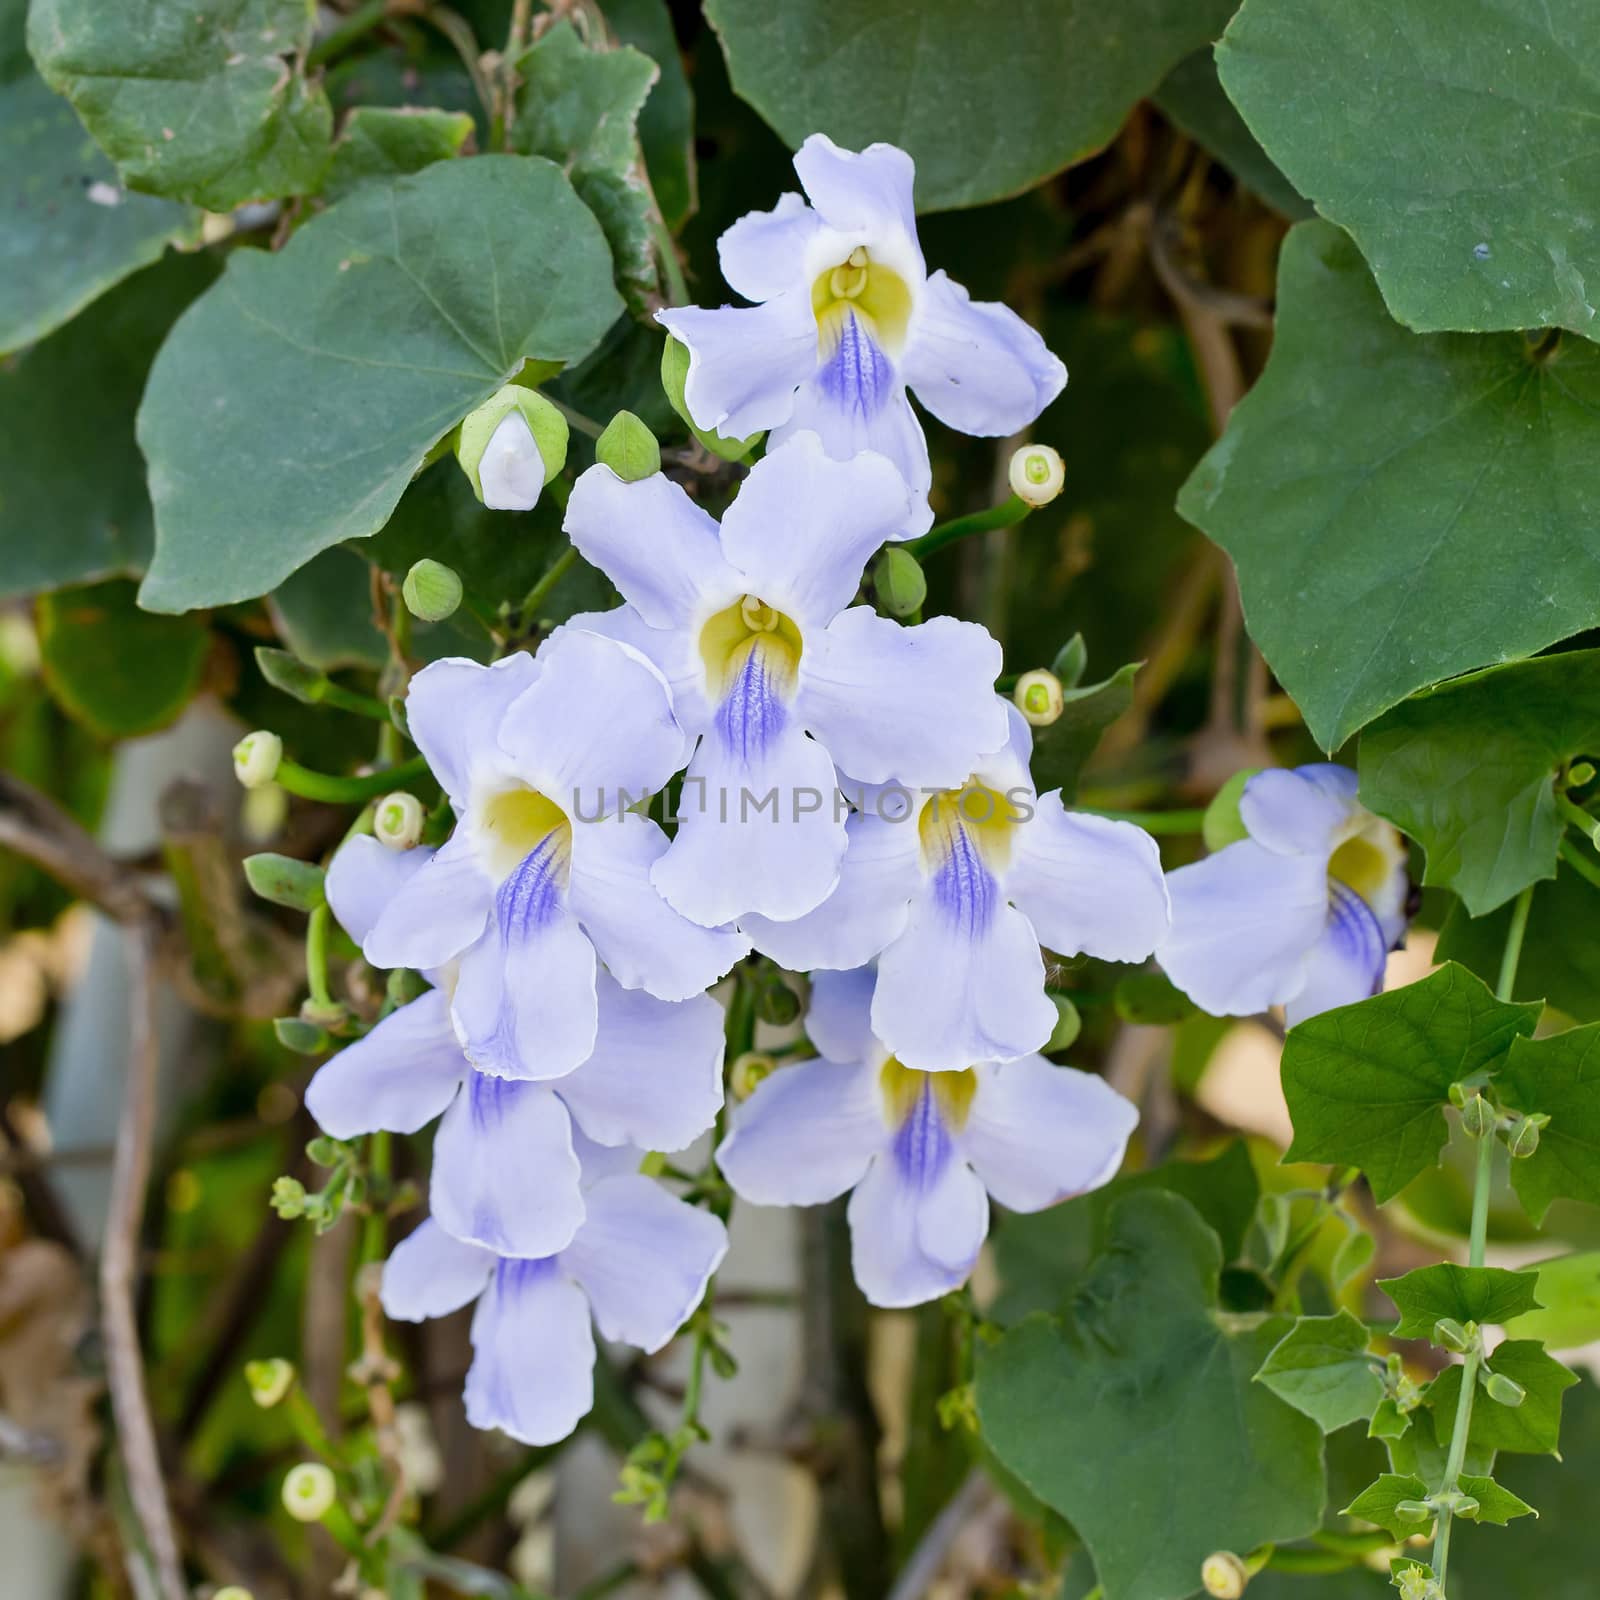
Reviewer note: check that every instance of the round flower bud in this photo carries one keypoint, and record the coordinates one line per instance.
(309, 1492)
(748, 1071)
(899, 581)
(511, 447)
(1477, 1117)
(432, 591)
(778, 1004)
(1224, 1575)
(1037, 474)
(1452, 1336)
(397, 820)
(256, 758)
(1414, 1511)
(1580, 773)
(628, 448)
(1503, 1390)
(269, 1381)
(1522, 1138)
(1039, 697)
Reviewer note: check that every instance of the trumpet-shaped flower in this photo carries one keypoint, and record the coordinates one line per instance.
(847, 317)
(922, 1151)
(1301, 913)
(636, 1268)
(957, 889)
(505, 1168)
(774, 671)
(547, 868)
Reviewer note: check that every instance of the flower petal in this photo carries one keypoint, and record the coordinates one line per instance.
(429, 1274)
(655, 1077)
(912, 1241)
(532, 1373)
(839, 1018)
(653, 542)
(977, 366)
(878, 879)
(596, 732)
(803, 526)
(504, 1172)
(1294, 813)
(399, 1077)
(642, 940)
(1347, 962)
(644, 1259)
(917, 704)
(439, 910)
(859, 192)
(745, 362)
(805, 1135)
(453, 708)
(1087, 884)
(363, 877)
(1244, 922)
(763, 253)
(1037, 1133)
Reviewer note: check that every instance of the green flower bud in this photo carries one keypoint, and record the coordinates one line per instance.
(748, 1071)
(628, 448)
(1452, 1336)
(288, 1198)
(333, 1015)
(1503, 1390)
(899, 582)
(404, 986)
(1070, 661)
(1522, 1137)
(309, 1491)
(1037, 474)
(1477, 1117)
(397, 820)
(1580, 773)
(1039, 697)
(323, 1151)
(285, 881)
(269, 1381)
(1068, 1025)
(256, 758)
(674, 375)
(304, 1038)
(431, 591)
(778, 1004)
(511, 447)
(1414, 1511)
(1223, 1574)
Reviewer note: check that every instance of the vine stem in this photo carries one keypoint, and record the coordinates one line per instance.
(333, 790)
(1476, 1250)
(1005, 515)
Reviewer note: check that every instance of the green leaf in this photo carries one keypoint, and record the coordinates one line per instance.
(285, 881)
(1468, 1294)
(1322, 1369)
(389, 142)
(1467, 770)
(1480, 449)
(1083, 1411)
(1367, 1084)
(1559, 1076)
(324, 613)
(1192, 97)
(352, 352)
(1379, 1501)
(1061, 751)
(579, 107)
(987, 97)
(1554, 966)
(1533, 1428)
(71, 399)
(1495, 1504)
(71, 230)
(117, 669)
(1457, 147)
(666, 124)
(1569, 1299)
(192, 99)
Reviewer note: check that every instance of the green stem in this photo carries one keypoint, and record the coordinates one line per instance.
(671, 264)
(353, 28)
(528, 611)
(1577, 817)
(1005, 515)
(1513, 950)
(329, 693)
(1580, 863)
(1308, 1562)
(577, 419)
(336, 791)
(374, 1228)
(317, 955)
(1153, 821)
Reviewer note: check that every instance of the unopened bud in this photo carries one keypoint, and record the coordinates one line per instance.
(1039, 697)
(1503, 1390)
(1477, 1117)
(1457, 1502)
(899, 582)
(269, 1381)
(1222, 824)
(302, 1037)
(1449, 1333)
(1037, 474)
(431, 591)
(778, 1004)
(333, 1014)
(1580, 773)
(1224, 1575)
(397, 820)
(1069, 1024)
(628, 448)
(511, 447)
(309, 1491)
(288, 1198)
(256, 758)
(1413, 1511)
(748, 1072)
(674, 380)
(405, 985)
(1522, 1137)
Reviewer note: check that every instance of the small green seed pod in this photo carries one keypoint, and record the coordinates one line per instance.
(1449, 1333)
(1477, 1117)
(1503, 1390)
(899, 581)
(431, 591)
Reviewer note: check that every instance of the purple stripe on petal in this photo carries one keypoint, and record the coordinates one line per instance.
(511, 1278)
(752, 715)
(1354, 933)
(963, 886)
(922, 1146)
(858, 377)
(531, 897)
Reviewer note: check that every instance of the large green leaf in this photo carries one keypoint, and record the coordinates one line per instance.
(202, 100)
(1559, 1076)
(1454, 140)
(1367, 1084)
(1085, 1411)
(1466, 1294)
(1531, 1428)
(1467, 771)
(666, 124)
(989, 96)
(1321, 1368)
(291, 405)
(1569, 1300)
(73, 504)
(71, 231)
(390, 141)
(1400, 509)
